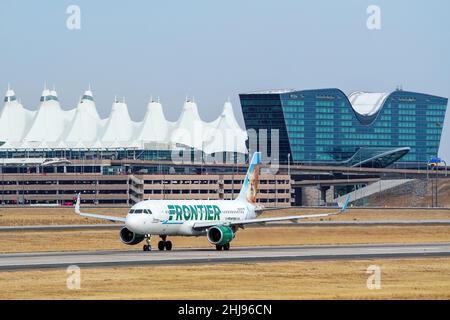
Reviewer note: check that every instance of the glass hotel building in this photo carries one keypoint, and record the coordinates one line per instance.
(364, 129)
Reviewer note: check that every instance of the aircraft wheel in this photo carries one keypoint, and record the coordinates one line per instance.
(219, 247)
(161, 245)
(168, 245)
(226, 247)
(146, 247)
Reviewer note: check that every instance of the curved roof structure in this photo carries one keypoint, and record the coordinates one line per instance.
(376, 157)
(81, 128)
(367, 103)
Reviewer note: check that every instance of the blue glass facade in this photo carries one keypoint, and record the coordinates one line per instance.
(321, 126)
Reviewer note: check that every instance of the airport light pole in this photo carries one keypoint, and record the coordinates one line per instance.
(437, 181)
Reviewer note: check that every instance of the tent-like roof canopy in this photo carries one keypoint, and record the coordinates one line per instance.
(81, 128)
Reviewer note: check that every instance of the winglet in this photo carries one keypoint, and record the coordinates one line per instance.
(77, 204)
(344, 207)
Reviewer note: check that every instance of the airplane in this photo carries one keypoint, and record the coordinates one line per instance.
(219, 220)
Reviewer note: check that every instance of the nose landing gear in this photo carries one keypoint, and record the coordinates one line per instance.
(147, 246)
(163, 244)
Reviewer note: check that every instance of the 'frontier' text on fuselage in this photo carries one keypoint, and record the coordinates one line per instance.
(193, 212)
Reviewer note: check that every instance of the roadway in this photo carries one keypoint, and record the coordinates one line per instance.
(294, 168)
(135, 257)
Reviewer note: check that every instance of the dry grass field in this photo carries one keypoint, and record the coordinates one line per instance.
(400, 279)
(52, 216)
(109, 239)
(65, 215)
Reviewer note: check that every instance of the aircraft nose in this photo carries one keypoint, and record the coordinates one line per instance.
(132, 223)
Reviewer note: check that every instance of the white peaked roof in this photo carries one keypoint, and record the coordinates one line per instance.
(81, 128)
(10, 95)
(229, 116)
(45, 93)
(53, 93)
(49, 123)
(188, 129)
(224, 134)
(155, 127)
(86, 125)
(367, 103)
(119, 128)
(15, 120)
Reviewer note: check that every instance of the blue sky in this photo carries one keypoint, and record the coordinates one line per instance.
(213, 50)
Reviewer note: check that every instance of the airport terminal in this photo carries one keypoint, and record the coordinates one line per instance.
(50, 154)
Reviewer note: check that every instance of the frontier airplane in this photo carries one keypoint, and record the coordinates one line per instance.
(217, 219)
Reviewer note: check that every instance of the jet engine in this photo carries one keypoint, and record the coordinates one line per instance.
(220, 235)
(129, 237)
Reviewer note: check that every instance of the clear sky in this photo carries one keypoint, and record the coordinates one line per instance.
(217, 49)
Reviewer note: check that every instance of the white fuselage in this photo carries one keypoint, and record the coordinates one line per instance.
(177, 217)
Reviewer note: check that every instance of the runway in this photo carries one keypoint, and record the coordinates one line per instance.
(135, 257)
(373, 223)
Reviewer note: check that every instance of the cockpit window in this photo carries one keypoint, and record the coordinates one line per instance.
(137, 211)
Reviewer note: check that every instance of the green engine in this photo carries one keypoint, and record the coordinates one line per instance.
(129, 237)
(220, 235)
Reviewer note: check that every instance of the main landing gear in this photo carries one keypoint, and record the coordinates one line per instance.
(147, 246)
(163, 244)
(225, 247)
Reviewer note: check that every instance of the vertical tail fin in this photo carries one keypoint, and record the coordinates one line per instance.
(249, 188)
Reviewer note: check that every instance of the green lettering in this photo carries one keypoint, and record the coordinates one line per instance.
(179, 212)
(216, 212)
(194, 212)
(201, 211)
(171, 211)
(209, 212)
(187, 212)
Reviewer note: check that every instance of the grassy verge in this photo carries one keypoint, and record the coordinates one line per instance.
(427, 278)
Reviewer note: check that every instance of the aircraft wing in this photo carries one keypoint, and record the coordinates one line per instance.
(96, 216)
(205, 225)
